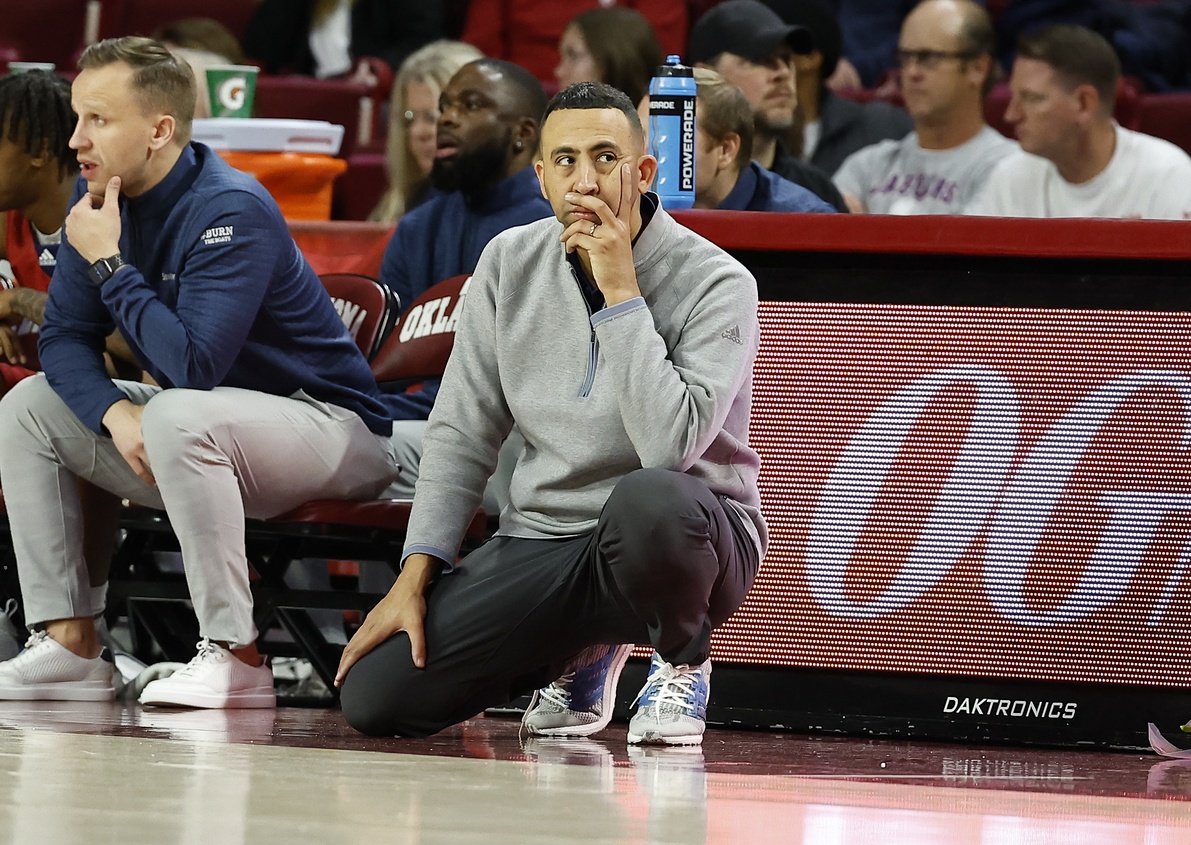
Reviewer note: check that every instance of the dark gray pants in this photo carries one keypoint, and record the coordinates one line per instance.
(667, 562)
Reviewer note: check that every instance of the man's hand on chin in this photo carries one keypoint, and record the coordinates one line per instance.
(93, 225)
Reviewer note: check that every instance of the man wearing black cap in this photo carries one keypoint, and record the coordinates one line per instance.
(832, 127)
(750, 46)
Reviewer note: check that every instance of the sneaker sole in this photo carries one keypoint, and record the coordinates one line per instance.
(606, 703)
(238, 701)
(654, 738)
(53, 692)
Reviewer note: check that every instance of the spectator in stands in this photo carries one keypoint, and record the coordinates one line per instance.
(634, 514)
(945, 52)
(751, 47)
(1075, 160)
(725, 175)
(331, 38)
(486, 140)
(204, 34)
(413, 118)
(202, 43)
(199, 61)
(198, 270)
(616, 46)
(870, 37)
(527, 32)
(832, 127)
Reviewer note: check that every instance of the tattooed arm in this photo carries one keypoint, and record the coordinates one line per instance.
(18, 304)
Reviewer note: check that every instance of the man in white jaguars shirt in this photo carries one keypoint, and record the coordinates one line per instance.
(1075, 160)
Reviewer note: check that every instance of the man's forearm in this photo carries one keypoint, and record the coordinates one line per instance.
(28, 303)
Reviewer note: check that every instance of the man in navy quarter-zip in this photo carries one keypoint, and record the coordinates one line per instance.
(264, 400)
(621, 345)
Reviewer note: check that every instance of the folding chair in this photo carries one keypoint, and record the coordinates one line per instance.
(1167, 116)
(367, 307)
(417, 348)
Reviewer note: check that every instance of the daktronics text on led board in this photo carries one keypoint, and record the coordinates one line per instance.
(996, 492)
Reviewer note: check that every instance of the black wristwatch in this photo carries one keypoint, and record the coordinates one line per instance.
(103, 269)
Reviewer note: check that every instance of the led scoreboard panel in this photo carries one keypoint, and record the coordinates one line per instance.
(998, 492)
(977, 483)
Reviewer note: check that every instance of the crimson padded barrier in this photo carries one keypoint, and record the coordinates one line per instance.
(342, 247)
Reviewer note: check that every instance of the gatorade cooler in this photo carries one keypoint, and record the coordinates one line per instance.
(293, 159)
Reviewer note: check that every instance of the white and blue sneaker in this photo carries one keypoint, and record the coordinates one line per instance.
(672, 706)
(580, 702)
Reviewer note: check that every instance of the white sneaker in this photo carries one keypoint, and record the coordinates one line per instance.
(214, 678)
(48, 671)
(672, 706)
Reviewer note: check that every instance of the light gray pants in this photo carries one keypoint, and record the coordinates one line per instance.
(217, 455)
(407, 446)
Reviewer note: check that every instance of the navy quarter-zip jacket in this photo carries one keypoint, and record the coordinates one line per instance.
(217, 294)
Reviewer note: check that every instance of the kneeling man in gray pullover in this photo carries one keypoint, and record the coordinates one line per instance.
(621, 344)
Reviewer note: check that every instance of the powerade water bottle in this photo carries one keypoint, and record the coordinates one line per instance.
(672, 132)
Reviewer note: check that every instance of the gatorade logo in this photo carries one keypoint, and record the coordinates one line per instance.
(232, 92)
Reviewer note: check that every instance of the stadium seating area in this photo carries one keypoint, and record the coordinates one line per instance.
(360, 109)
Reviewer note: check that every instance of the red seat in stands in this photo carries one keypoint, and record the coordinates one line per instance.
(351, 105)
(47, 31)
(144, 17)
(1166, 116)
(367, 307)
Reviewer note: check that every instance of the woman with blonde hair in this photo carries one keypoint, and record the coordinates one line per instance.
(413, 115)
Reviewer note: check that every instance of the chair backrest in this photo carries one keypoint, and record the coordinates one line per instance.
(366, 306)
(1167, 116)
(47, 31)
(421, 342)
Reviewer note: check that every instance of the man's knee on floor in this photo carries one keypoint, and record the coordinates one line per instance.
(375, 712)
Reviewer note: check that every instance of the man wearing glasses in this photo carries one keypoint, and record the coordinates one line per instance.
(945, 54)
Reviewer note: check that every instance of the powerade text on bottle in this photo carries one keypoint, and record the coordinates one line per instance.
(672, 132)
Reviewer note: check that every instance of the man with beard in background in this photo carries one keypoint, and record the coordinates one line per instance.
(746, 42)
(487, 140)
